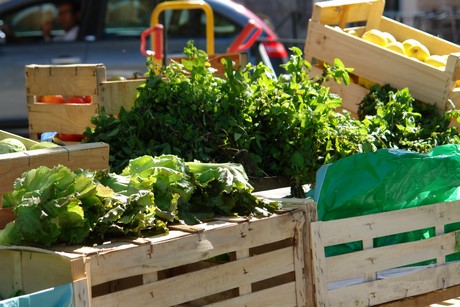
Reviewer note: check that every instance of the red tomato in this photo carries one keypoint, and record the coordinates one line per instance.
(75, 99)
(51, 99)
(65, 137)
(88, 99)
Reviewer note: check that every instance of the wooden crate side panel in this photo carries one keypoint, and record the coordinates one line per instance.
(364, 264)
(112, 265)
(67, 80)
(62, 118)
(429, 85)
(373, 260)
(117, 94)
(337, 12)
(387, 223)
(392, 289)
(216, 279)
(33, 271)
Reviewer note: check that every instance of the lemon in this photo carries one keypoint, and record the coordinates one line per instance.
(338, 28)
(390, 38)
(435, 60)
(419, 52)
(409, 43)
(397, 47)
(352, 32)
(376, 37)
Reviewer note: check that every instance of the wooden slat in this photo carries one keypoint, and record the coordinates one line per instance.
(391, 289)
(375, 14)
(62, 118)
(194, 285)
(426, 298)
(112, 265)
(329, 12)
(357, 264)
(117, 94)
(387, 223)
(280, 296)
(66, 80)
(81, 293)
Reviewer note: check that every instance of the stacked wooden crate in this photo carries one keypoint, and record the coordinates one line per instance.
(324, 43)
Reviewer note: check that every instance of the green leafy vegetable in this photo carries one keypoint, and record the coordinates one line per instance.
(56, 205)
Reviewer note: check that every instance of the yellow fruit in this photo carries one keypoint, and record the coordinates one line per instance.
(338, 28)
(420, 52)
(435, 60)
(390, 38)
(376, 37)
(415, 49)
(397, 47)
(352, 32)
(409, 43)
(365, 82)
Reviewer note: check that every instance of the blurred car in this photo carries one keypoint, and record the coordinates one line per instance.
(110, 34)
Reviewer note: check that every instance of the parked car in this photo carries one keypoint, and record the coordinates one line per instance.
(109, 33)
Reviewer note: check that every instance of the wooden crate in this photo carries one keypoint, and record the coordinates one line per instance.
(84, 80)
(87, 156)
(426, 83)
(32, 269)
(362, 278)
(226, 262)
(73, 80)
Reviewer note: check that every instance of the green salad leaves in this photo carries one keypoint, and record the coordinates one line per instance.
(60, 206)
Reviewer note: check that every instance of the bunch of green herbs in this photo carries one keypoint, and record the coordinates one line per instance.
(285, 126)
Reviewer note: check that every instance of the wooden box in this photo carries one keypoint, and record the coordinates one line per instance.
(87, 156)
(84, 80)
(324, 42)
(226, 262)
(376, 275)
(73, 80)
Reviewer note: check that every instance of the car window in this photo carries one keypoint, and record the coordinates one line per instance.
(192, 23)
(26, 24)
(126, 17)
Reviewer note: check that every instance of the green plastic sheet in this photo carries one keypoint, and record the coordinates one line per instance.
(385, 180)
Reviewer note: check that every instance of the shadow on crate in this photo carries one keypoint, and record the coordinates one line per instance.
(136, 281)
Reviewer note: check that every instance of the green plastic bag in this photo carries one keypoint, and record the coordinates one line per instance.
(385, 180)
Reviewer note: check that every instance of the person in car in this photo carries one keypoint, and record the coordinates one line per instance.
(68, 19)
